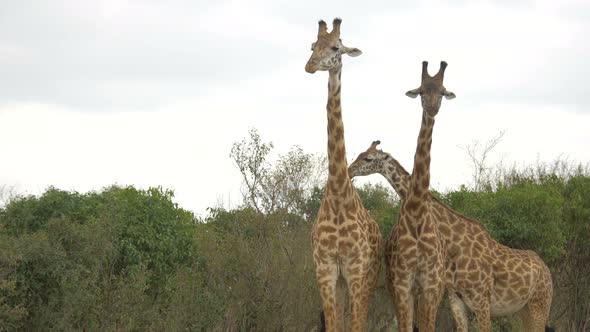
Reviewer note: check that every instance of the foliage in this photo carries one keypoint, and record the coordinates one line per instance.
(151, 229)
(79, 259)
(250, 158)
(574, 267)
(478, 153)
(286, 186)
(30, 214)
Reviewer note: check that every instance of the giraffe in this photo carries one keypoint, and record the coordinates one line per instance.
(416, 260)
(346, 241)
(482, 275)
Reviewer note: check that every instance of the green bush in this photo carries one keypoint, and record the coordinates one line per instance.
(29, 214)
(150, 229)
(574, 268)
(75, 261)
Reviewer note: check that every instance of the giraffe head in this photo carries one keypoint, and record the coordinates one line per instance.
(370, 162)
(328, 49)
(431, 89)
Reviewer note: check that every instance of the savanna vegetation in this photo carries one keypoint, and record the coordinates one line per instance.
(124, 258)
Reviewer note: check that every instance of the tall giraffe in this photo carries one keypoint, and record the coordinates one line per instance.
(518, 280)
(346, 241)
(418, 256)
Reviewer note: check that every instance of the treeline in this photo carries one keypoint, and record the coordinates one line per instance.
(129, 259)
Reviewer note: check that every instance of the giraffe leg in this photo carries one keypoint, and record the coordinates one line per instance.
(428, 307)
(371, 280)
(541, 302)
(459, 310)
(358, 309)
(327, 278)
(483, 316)
(390, 285)
(403, 300)
(535, 316)
(525, 316)
(340, 299)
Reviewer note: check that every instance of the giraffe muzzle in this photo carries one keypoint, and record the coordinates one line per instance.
(311, 67)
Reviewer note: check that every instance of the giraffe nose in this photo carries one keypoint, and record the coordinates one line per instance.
(311, 67)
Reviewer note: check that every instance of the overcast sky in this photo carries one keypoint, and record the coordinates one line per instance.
(148, 93)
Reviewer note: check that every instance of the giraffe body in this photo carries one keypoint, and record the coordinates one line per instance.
(480, 272)
(416, 264)
(346, 241)
(417, 253)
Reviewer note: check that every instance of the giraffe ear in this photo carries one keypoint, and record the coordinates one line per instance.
(413, 93)
(449, 95)
(351, 51)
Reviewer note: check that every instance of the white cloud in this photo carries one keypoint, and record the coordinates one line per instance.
(146, 93)
(177, 149)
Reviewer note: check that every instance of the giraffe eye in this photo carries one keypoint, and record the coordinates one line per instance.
(335, 49)
(368, 159)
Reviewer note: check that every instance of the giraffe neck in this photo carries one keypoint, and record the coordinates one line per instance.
(420, 179)
(338, 180)
(400, 180)
(397, 176)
